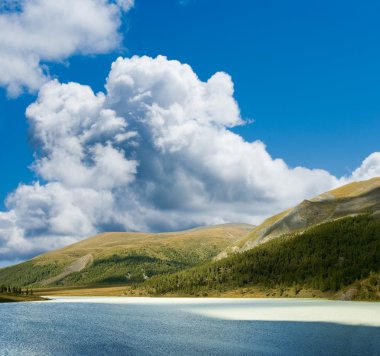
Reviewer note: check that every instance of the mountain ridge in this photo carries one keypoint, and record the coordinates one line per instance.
(142, 259)
(111, 256)
(351, 199)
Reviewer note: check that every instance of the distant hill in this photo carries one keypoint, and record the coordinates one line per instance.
(352, 199)
(121, 257)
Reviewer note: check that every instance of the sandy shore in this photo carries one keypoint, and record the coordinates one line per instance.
(297, 310)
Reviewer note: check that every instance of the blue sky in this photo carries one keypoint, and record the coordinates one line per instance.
(306, 78)
(306, 72)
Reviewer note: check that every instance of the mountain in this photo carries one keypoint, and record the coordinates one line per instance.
(326, 246)
(352, 199)
(121, 257)
(339, 258)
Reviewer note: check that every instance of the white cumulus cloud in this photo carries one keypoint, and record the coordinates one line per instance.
(33, 32)
(368, 169)
(153, 152)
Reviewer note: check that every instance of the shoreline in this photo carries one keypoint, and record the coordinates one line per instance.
(253, 309)
(251, 293)
(9, 298)
(185, 299)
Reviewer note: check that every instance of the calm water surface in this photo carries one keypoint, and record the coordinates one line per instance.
(91, 328)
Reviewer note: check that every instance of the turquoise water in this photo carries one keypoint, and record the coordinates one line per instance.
(163, 329)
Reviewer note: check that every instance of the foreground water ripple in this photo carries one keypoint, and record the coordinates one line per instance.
(107, 326)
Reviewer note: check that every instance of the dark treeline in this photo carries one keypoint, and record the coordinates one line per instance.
(327, 257)
(15, 290)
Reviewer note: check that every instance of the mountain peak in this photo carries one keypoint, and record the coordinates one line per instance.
(351, 199)
(351, 190)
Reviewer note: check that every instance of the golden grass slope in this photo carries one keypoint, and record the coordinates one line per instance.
(80, 263)
(351, 199)
(351, 190)
(110, 243)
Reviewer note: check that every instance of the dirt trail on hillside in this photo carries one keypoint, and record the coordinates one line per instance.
(77, 266)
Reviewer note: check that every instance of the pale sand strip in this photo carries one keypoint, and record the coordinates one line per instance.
(296, 310)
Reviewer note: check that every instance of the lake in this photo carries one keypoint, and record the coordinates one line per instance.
(158, 326)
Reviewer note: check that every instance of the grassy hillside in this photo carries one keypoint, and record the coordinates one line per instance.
(329, 245)
(351, 199)
(124, 257)
(327, 257)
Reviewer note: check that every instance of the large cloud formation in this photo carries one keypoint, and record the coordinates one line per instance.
(154, 152)
(33, 32)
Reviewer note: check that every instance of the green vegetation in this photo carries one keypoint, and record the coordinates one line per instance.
(30, 272)
(124, 257)
(16, 294)
(367, 289)
(328, 246)
(136, 266)
(327, 257)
